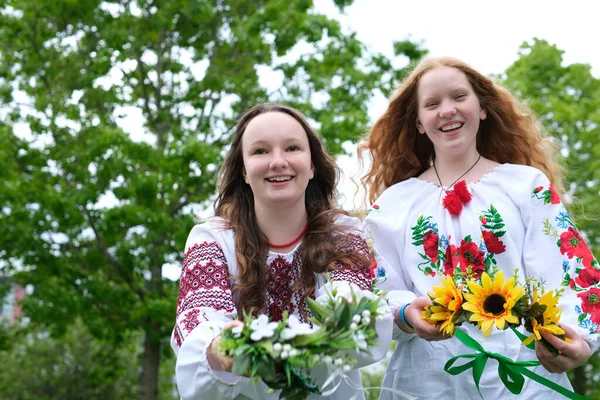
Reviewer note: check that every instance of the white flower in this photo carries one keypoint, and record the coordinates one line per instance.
(327, 360)
(284, 355)
(287, 347)
(356, 319)
(353, 326)
(295, 327)
(277, 347)
(346, 368)
(366, 314)
(293, 353)
(338, 362)
(359, 339)
(262, 328)
(366, 320)
(237, 331)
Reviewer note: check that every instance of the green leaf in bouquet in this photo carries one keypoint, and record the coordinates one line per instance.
(241, 364)
(314, 339)
(319, 311)
(265, 368)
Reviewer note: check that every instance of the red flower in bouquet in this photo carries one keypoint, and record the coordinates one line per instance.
(430, 243)
(492, 243)
(588, 277)
(573, 245)
(470, 257)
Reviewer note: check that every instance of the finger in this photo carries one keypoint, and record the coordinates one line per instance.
(560, 345)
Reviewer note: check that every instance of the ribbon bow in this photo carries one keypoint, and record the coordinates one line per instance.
(511, 372)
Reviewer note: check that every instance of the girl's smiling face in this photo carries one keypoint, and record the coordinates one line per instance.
(277, 160)
(449, 111)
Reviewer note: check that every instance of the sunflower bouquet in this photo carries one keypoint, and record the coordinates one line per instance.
(283, 353)
(491, 301)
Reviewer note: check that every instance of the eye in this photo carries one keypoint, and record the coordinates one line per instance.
(293, 148)
(461, 96)
(430, 104)
(259, 151)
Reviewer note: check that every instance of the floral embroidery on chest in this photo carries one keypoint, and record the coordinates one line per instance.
(442, 255)
(581, 271)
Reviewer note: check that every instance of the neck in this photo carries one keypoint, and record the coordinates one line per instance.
(450, 168)
(281, 225)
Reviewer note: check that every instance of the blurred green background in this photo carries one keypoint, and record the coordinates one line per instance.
(114, 118)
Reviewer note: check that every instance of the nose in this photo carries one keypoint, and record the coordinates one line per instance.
(447, 109)
(278, 160)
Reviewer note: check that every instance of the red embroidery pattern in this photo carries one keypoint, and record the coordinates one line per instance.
(280, 276)
(352, 243)
(204, 279)
(191, 319)
(204, 283)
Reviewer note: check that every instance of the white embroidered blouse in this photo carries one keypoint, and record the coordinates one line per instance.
(515, 220)
(205, 304)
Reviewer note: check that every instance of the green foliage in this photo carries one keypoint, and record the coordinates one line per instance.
(93, 213)
(74, 366)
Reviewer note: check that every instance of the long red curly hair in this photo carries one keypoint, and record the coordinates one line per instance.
(509, 134)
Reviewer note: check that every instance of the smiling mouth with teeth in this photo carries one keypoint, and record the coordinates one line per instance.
(451, 127)
(280, 179)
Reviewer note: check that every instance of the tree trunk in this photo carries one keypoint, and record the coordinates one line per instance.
(150, 364)
(579, 380)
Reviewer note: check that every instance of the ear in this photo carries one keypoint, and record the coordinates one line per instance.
(244, 175)
(482, 114)
(420, 127)
(312, 171)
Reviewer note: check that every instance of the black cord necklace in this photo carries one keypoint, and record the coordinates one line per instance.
(453, 183)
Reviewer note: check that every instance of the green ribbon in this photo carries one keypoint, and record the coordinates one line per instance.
(512, 373)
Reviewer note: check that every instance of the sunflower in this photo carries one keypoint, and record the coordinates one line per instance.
(492, 302)
(547, 320)
(447, 301)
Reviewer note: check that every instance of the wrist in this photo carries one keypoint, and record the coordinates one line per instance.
(405, 325)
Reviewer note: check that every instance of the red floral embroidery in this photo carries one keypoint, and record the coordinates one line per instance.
(471, 256)
(373, 268)
(430, 243)
(590, 303)
(450, 261)
(588, 277)
(492, 243)
(554, 196)
(573, 245)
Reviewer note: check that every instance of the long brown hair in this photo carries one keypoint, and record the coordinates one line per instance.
(235, 203)
(509, 134)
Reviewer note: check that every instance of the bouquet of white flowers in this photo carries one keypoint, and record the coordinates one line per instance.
(283, 353)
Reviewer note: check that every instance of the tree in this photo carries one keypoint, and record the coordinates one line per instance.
(74, 366)
(566, 98)
(91, 214)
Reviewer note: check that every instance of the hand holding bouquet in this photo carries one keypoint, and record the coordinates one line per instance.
(283, 353)
(495, 302)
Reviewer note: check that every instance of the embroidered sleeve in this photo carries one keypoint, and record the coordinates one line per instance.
(204, 285)
(353, 243)
(555, 251)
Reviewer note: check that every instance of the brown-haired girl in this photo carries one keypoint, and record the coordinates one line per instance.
(275, 234)
(463, 181)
